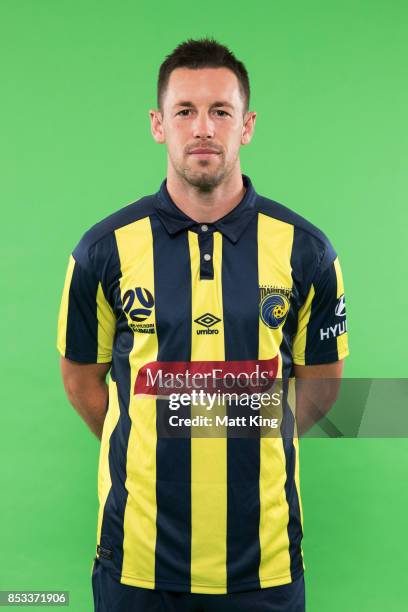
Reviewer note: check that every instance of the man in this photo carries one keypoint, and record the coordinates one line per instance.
(204, 279)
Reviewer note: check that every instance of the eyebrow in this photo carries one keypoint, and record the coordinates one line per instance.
(189, 104)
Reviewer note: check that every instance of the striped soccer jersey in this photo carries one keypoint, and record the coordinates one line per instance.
(158, 295)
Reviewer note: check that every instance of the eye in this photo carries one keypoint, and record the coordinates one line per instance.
(223, 113)
(184, 112)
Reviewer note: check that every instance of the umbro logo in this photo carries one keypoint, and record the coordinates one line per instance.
(207, 320)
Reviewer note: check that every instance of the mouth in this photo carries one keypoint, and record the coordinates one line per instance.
(203, 153)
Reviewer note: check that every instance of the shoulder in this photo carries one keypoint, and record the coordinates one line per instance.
(309, 242)
(100, 235)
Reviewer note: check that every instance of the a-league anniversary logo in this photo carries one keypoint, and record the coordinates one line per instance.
(138, 306)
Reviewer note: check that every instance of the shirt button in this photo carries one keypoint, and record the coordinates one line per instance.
(204, 227)
(207, 257)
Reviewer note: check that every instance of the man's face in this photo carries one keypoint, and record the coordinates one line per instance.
(203, 124)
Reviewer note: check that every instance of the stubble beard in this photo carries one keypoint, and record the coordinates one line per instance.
(207, 179)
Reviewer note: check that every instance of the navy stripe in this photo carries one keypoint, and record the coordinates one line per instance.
(301, 278)
(241, 303)
(113, 516)
(82, 322)
(295, 532)
(108, 274)
(172, 278)
(323, 316)
(303, 262)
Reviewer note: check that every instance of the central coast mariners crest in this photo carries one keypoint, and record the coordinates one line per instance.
(274, 305)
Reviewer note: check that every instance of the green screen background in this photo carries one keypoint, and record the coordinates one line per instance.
(329, 84)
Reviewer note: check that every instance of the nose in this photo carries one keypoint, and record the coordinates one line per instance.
(203, 126)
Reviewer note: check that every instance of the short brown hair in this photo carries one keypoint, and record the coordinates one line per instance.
(202, 53)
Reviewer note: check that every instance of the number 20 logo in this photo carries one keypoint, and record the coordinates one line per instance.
(144, 297)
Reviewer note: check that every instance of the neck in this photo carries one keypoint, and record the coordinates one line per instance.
(210, 206)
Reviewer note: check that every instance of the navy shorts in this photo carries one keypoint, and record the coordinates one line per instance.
(112, 596)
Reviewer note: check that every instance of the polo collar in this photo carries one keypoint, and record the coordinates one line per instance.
(231, 225)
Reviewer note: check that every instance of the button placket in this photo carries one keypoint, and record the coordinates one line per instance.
(206, 245)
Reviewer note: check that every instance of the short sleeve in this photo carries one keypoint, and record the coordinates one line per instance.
(86, 321)
(322, 335)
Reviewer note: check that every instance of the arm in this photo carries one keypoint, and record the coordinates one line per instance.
(320, 344)
(86, 389)
(317, 387)
(86, 329)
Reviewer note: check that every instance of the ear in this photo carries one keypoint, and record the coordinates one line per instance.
(156, 126)
(248, 127)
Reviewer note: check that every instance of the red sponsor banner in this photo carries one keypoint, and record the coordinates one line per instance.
(166, 377)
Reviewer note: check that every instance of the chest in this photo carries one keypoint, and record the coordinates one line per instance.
(205, 291)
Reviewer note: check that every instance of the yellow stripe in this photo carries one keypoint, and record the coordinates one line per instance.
(208, 455)
(275, 241)
(63, 311)
(141, 511)
(106, 327)
(340, 284)
(299, 342)
(342, 341)
(104, 478)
